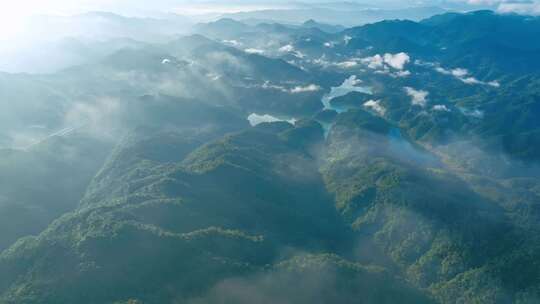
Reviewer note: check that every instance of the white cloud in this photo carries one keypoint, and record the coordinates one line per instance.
(397, 74)
(287, 48)
(268, 85)
(254, 51)
(525, 8)
(293, 90)
(425, 63)
(472, 113)
(213, 76)
(374, 62)
(322, 61)
(401, 74)
(299, 54)
(464, 76)
(376, 106)
(483, 2)
(441, 108)
(304, 89)
(395, 61)
(347, 64)
(256, 119)
(232, 42)
(459, 72)
(351, 82)
(472, 80)
(418, 97)
(494, 83)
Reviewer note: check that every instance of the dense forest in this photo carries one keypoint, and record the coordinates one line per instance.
(393, 162)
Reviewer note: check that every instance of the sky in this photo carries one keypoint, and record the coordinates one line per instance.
(14, 9)
(13, 13)
(25, 7)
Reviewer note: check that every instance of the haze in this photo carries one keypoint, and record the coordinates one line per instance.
(321, 152)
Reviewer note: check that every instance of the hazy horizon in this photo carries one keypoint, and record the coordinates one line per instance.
(143, 8)
(13, 16)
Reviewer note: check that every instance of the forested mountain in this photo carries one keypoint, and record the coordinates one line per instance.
(395, 162)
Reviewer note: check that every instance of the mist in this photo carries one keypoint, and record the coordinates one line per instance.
(269, 152)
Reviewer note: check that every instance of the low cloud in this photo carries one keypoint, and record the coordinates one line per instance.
(397, 74)
(269, 86)
(294, 90)
(458, 73)
(395, 61)
(347, 64)
(524, 7)
(374, 62)
(287, 48)
(472, 80)
(304, 89)
(475, 113)
(351, 82)
(401, 74)
(279, 286)
(213, 76)
(256, 119)
(441, 108)
(254, 51)
(463, 75)
(418, 97)
(233, 42)
(92, 113)
(376, 106)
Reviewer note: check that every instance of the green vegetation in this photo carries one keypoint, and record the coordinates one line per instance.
(138, 179)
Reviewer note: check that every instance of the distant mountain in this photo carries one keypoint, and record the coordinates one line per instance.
(105, 25)
(356, 15)
(504, 43)
(394, 162)
(80, 39)
(329, 28)
(61, 54)
(223, 28)
(463, 58)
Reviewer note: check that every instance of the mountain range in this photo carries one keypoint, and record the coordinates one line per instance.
(392, 162)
